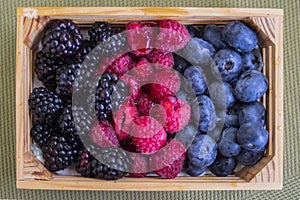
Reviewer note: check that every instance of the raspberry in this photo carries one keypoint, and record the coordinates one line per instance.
(176, 111)
(172, 37)
(141, 37)
(142, 71)
(144, 104)
(147, 134)
(103, 135)
(122, 119)
(165, 83)
(139, 167)
(161, 58)
(134, 85)
(121, 65)
(172, 155)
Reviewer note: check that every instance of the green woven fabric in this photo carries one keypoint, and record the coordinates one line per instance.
(291, 103)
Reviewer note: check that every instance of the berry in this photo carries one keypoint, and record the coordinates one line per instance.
(121, 65)
(232, 118)
(194, 31)
(62, 39)
(250, 158)
(253, 112)
(172, 155)
(221, 94)
(180, 64)
(114, 44)
(229, 63)
(213, 34)
(139, 167)
(133, 84)
(144, 103)
(239, 36)
(147, 134)
(142, 71)
(193, 170)
(103, 134)
(172, 36)
(141, 37)
(44, 104)
(162, 86)
(41, 132)
(252, 136)
(203, 151)
(59, 153)
(228, 146)
(85, 48)
(99, 32)
(251, 86)
(223, 166)
(252, 60)
(123, 118)
(195, 77)
(45, 69)
(206, 46)
(161, 58)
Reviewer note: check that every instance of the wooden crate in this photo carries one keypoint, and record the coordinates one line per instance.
(267, 174)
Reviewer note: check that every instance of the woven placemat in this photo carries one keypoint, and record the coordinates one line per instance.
(291, 103)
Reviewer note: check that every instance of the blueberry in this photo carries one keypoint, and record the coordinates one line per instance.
(239, 36)
(251, 86)
(253, 112)
(206, 112)
(223, 166)
(250, 158)
(229, 63)
(206, 46)
(221, 94)
(194, 31)
(203, 151)
(231, 117)
(252, 136)
(252, 60)
(194, 170)
(180, 64)
(228, 146)
(196, 79)
(213, 34)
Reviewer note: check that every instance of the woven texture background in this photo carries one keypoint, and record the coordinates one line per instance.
(291, 103)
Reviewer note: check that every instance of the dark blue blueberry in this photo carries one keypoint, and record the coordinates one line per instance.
(251, 86)
(253, 112)
(239, 36)
(196, 79)
(193, 170)
(221, 94)
(232, 117)
(213, 34)
(223, 166)
(252, 60)
(252, 136)
(206, 46)
(250, 158)
(228, 146)
(203, 151)
(194, 31)
(206, 113)
(229, 63)
(180, 64)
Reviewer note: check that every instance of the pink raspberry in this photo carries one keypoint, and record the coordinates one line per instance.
(139, 167)
(123, 118)
(147, 134)
(172, 37)
(141, 37)
(161, 58)
(176, 111)
(142, 70)
(121, 65)
(103, 134)
(134, 85)
(166, 82)
(168, 162)
(144, 104)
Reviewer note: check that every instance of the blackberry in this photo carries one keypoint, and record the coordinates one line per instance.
(60, 152)
(99, 32)
(62, 39)
(89, 166)
(65, 78)
(85, 48)
(44, 104)
(41, 132)
(113, 45)
(45, 69)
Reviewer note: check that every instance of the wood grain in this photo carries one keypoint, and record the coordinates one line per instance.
(268, 23)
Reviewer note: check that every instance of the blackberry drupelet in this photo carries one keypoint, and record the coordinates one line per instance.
(60, 152)
(89, 166)
(45, 69)
(41, 132)
(62, 39)
(45, 104)
(99, 32)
